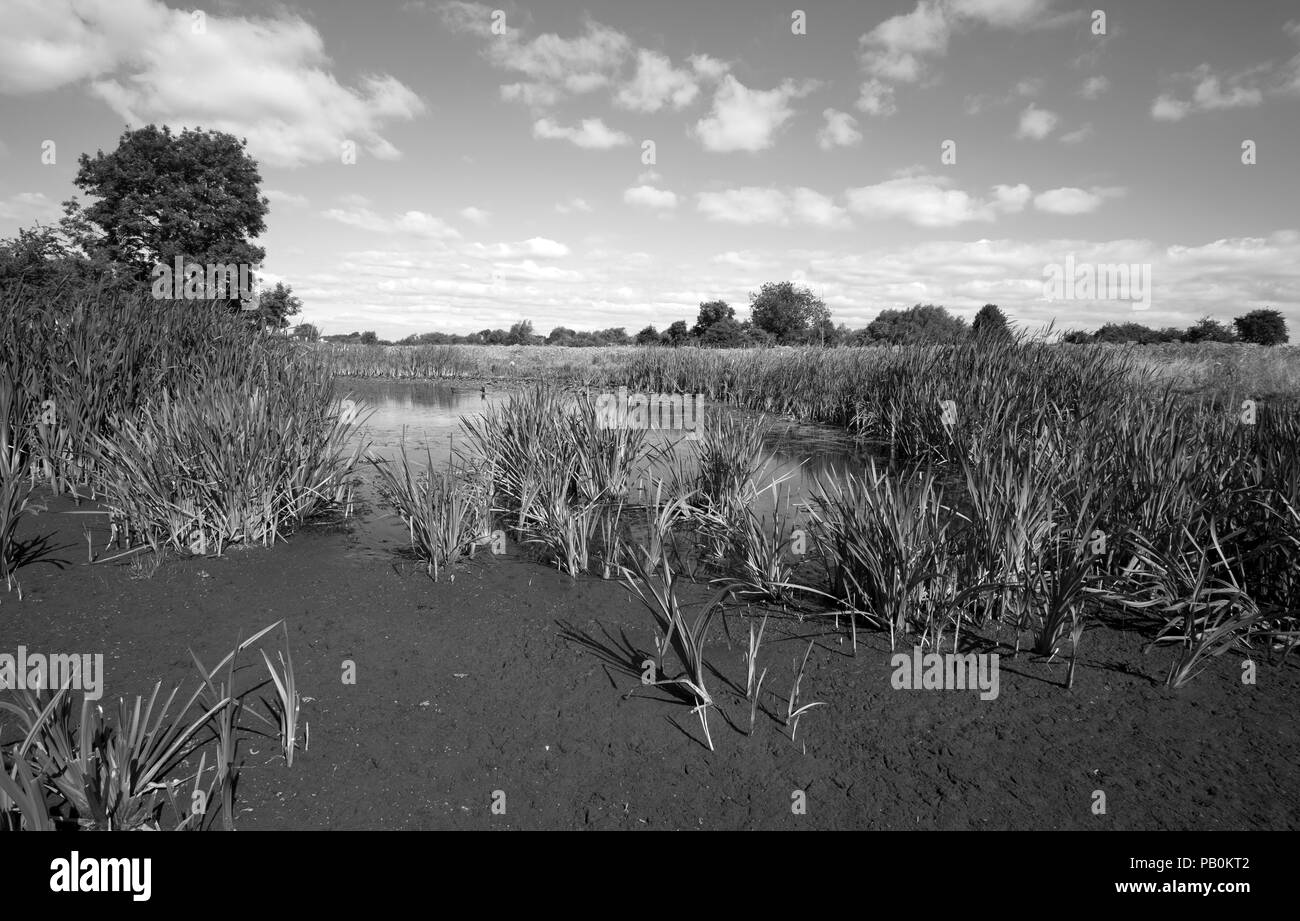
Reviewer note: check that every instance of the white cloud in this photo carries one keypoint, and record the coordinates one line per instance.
(745, 119)
(1070, 201)
(554, 68)
(655, 84)
(536, 247)
(266, 78)
(930, 201)
(741, 260)
(475, 215)
(707, 67)
(1093, 87)
(1006, 14)
(1210, 92)
(415, 223)
(875, 97)
(573, 206)
(811, 207)
(591, 133)
(287, 198)
(1036, 123)
(26, 207)
(1078, 134)
(747, 205)
(1165, 108)
(840, 130)
(778, 207)
(647, 196)
(900, 49)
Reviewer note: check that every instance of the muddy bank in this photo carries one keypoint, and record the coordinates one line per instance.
(493, 682)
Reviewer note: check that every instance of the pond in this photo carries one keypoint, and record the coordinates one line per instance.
(427, 415)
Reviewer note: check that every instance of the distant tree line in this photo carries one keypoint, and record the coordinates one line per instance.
(1258, 327)
(783, 314)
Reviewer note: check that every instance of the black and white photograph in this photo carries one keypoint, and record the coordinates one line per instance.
(430, 415)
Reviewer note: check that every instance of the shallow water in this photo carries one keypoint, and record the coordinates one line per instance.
(426, 416)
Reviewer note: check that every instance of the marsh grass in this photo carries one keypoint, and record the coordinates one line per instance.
(120, 774)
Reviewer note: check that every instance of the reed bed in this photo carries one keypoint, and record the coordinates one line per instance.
(193, 430)
(74, 767)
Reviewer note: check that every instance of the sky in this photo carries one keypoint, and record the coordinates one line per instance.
(602, 164)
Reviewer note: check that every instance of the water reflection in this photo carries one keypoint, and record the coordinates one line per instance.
(428, 416)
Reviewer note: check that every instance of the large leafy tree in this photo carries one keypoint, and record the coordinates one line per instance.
(1208, 329)
(786, 311)
(1262, 327)
(712, 313)
(917, 325)
(275, 306)
(990, 324)
(161, 195)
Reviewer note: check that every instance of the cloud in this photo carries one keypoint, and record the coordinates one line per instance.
(590, 134)
(573, 206)
(840, 130)
(1093, 87)
(287, 198)
(930, 201)
(415, 223)
(1078, 134)
(1070, 201)
(778, 207)
(26, 207)
(708, 68)
(655, 84)
(746, 119)
(742, 260)
(1167, 109)
(1036, 123)
(554, 68)
(536, 247)
(1209, 92)
(900, 49)
(646, 196)
(475, 215)
(263, 78)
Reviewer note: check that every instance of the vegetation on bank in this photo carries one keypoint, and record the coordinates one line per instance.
(1024, 494)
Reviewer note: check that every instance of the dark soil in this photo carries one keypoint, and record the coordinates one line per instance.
(491, 682)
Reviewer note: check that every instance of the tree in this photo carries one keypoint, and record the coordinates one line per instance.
(1262, 327)
(369, 338)
(306, 332)
(521, 333)
(711, 313)
(561, 335)
(40, 258)
(990, 324)
(648, 336)
(160, 196)
(917, 325)
(725, 333)
(1208, 329)
(786, 311)
(274, 307)
(1127, 332)
(678, 333)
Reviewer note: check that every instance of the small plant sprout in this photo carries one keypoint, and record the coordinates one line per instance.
(793, 710)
